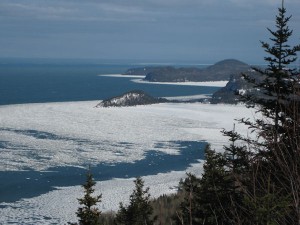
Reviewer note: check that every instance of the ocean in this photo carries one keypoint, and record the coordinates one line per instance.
(26, 82)
(22, 83)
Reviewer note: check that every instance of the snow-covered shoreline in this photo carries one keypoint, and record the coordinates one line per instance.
(187, 83)
(140, 79)
(75, 131)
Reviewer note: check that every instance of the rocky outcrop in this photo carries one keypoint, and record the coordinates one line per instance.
(235, 88)
(131, 98)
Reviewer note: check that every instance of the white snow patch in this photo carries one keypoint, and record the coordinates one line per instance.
(188, 83)
(189, 97)
(125, 98)
(242, 91)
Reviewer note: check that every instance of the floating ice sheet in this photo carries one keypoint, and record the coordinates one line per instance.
(41, 136)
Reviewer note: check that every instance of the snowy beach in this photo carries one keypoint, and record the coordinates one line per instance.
(140, 79)
(221, 83)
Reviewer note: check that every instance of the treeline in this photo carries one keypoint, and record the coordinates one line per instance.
(256, 180)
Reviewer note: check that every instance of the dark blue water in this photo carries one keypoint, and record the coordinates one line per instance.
(27, 83)
(15, 185)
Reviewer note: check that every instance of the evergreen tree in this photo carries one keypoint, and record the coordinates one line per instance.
(88, 214)
(207, 199)
(237, 155)
(139, 211)
(277, 84)
(237, 166)
(273, 192)
(258, 183)
(188, 212)
(214, 196)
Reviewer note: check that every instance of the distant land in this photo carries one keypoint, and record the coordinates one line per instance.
(230, 93)
(236, 87)
(222, 70)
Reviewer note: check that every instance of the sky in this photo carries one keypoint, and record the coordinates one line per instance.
(198, 31)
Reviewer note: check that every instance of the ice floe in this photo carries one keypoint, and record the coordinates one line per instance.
(41, 136)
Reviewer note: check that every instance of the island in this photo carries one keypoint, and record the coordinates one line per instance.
(131, 98)
(220, 71)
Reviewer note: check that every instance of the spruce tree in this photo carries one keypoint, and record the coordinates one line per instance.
(139, 211)
(277, 83)
(273, 192)
(88, 213)
(188, 212)
(237, 167)
(259, 182)
(214, 195)
(207, 200)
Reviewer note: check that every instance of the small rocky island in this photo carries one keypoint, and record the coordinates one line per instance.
(131, 98)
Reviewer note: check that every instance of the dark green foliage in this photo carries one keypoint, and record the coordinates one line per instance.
(214, 196)
(88, 214)
(274, 185)
(165, 207)
(107, 218)
(278, 81)
(266, 205)
(237, 166)
(207, 200)
(139, 211)
(187, 213)
(237, 155)
(257, 182)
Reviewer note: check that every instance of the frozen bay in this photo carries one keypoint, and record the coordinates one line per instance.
(48, 140)
(41, 136)
(74, 134)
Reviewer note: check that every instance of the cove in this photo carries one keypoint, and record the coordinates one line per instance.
(16, 185)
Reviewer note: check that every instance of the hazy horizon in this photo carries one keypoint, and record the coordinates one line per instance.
(149, 31)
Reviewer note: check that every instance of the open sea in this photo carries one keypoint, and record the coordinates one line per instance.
(23, 82)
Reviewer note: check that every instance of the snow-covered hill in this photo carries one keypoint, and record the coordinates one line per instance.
(131, 98)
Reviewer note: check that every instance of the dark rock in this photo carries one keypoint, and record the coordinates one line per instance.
(131, 98)
(235, 88)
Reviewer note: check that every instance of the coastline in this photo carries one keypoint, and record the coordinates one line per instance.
(187, 83)
(140, 79)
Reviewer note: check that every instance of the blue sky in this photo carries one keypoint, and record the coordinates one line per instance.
(202, 31)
